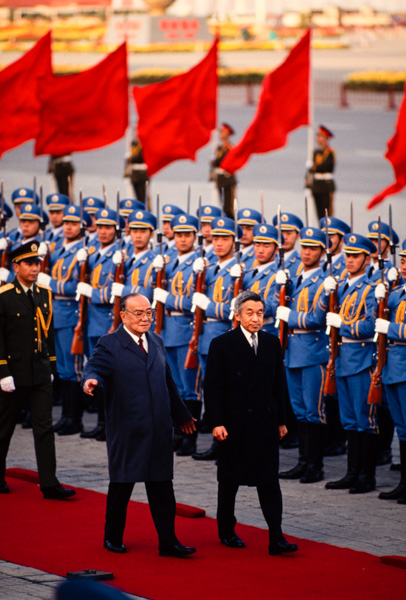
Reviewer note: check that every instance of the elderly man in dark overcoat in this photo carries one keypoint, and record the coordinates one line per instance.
(141, 404)
(244, 395)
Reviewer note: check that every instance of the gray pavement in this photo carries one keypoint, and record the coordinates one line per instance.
(362, 523)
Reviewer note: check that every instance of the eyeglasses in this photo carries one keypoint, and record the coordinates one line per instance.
(138, 314)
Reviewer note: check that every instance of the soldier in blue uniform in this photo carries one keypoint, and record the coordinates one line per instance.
(216, 302)
(178, 321)
(4, 240)
(247, 218)
(169, 211)
(139, 274)
(127, 206)
(19, 197)
(63, 281)
(290, 226)
(336, 232)
(207, 214)
(306, 355)
(356, 321)
(394, 373)
(56, 204)
(91, 205)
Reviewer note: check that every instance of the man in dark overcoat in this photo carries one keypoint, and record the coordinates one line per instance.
(141, 404)
(244, 395)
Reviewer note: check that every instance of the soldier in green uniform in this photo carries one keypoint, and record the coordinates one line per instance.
(27, 366)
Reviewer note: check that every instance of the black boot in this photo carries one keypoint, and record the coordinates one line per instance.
(366, 479)
(303, 438)
(400, 490)
(56, 391)
(73, 423)
(27, 423)
(291, 438)
(210, 454)
(100, 429)
(317, 437)
(188, 445)
(353, 463)
(336, 439)
(65, 395)
(385, 438)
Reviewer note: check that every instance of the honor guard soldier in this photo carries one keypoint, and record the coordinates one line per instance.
(260, 278)
(226, 182)
(290, 226)
(355, 322)
(177, 324)
(63, 281)
(91, 205)
(19, 197)
(247, 219)
(169, 211)
(127, 206)
(306, 355)
(56, 204)
(61, 167)
(394, 374)
(336, 229)
(27, 366)
(139, 274)
(207, 213)
(391, 273)
(6, 214)
(216, 303)
(136, 169)
(320, 178)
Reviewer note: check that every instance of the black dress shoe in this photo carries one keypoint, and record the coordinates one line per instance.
(233, 541)
(93, 433)
(101, 437)
(394, 467)
(118, 549)
(70, 427)
(398, 492)
(295, 473)
(342, 484)
(277, 548)
(312, 475)
(363, 486)
(187, 447)
(177, 551)
(57, 492)
(210, 454)
(4, 489)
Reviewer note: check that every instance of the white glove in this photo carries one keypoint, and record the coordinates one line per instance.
(333, 320)
(84, 289)
(200, 300)
(236, 271)
(52, 377)
(4, 273)
(3, 243)
(330, 285)
(44, 279)
(281, 277)
(160, 295)
(118, 257)
(380, 291)
(282, 313)
(392, 274)
(232, 308)
(7, 384)
(381, 326)
(158, 262)
(198, 265)
(116, 290)
(43, 249)
(81, 255)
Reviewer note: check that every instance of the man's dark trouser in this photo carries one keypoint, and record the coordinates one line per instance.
(162, 504)
(270, 499)
(38, 398)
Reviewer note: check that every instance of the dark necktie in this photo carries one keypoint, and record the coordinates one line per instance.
(141, 345)
(255, 273)
(176, 263)
(97, 257)
(31, 299)
(217, 269)
(345, 288)
(299, 281)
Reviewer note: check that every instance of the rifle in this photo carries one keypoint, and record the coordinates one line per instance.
(119, 274)
(45, 262)
(330, 385)
(79, 331)
(3, 223)
(104, 195)
(392, 247)
(160, 278)
(238, 283)
(262, 208)
(375, 389)
(191, 357)
(283, 297)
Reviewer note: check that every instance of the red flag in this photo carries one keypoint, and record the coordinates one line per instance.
(84, 111)
(177, 116)
(283, 106)
(19, 105)
(396, 154)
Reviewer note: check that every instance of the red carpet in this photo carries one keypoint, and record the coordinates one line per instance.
(58, 537)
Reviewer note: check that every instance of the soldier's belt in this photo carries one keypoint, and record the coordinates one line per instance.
(63, 159)
(139, 167)
(174, 313)
(323, 176)
(302, 331)
(59, 297)
(346, 340)
(211, 320)
(393, 343)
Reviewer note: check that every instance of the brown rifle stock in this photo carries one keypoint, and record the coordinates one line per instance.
(375, 389)
(79, 331)
(191, 357)
(330, 384)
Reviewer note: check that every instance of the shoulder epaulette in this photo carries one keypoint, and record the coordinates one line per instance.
(42, 286)
(5, 288)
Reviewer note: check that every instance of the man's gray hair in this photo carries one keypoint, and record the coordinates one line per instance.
(244, 297)
(124, 299)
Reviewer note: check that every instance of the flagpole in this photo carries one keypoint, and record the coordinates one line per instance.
(310, 129)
